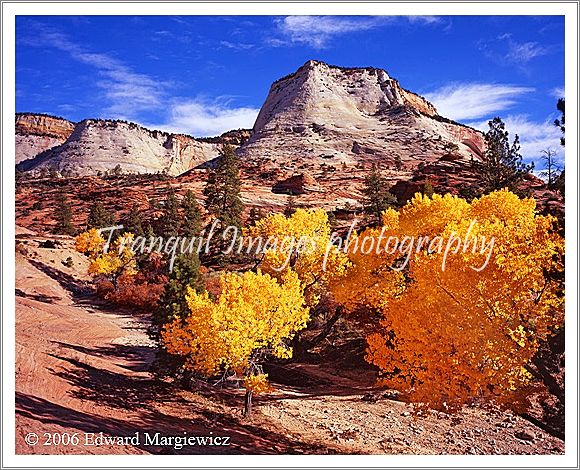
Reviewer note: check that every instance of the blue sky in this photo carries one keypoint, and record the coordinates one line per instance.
(203, 75)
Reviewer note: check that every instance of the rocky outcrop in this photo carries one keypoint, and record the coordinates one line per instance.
(36, 133)
(99, 145)
(236, 137)
(43, 125)
(327, 114)
(296, 184)
(317, 134)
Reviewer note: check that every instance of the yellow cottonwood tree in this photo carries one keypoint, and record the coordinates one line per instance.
(451, 336)
(302, 244)
(90, 243)
(119, 258)
(254, 316)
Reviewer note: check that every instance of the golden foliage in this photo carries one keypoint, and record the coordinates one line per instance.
(118, 259)
(254, 314)
(90, 243)
(449, 336)
(257, 383)
(301, 242)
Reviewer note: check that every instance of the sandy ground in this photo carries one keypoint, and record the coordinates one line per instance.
(82, 367)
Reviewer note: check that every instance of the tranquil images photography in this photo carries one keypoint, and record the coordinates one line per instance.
(292, 234)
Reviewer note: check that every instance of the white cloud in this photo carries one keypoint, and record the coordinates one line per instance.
(522, 52)
(475, 100)
(534, 137)
(425, 19)
(201, 118)
(236, 45)
(505, 50)
(126, 92)
(557, 92)
(318, 31)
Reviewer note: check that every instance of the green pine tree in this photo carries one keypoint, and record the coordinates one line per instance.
(428, 189)
(377, 196)
(192, 220)
(170, 221)
(173, 305)
(561, 121)
(290, 207)
(133, 221)
(501, 166)
(398, 163)
(99, 217)
(63, 214)
(222, 190)
(149, 232)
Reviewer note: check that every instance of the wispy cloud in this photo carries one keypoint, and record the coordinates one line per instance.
(126, 91)
(425, 19)
(504, 49)
(462, 101)
(126, 94)
(522, 52)
(534, 136)
(201, 117)
(318, 31)
(557, 92)
(240, 46)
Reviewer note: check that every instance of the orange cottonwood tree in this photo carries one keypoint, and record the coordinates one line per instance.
(254, 316)
(450, 336)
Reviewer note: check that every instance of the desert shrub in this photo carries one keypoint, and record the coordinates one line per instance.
(136, 291)
(118, 276)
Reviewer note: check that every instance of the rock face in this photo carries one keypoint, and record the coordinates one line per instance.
(36, 133)
(327, 114)
(98, 146)
(236, 137)
(297, 184)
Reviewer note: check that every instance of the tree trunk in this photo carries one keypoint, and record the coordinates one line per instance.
(326, 329)
(248, 404)
(301, 346)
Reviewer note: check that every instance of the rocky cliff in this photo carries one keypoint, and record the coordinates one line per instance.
(36, 133)
(100, 145)
(325, 114)
(236, 138)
